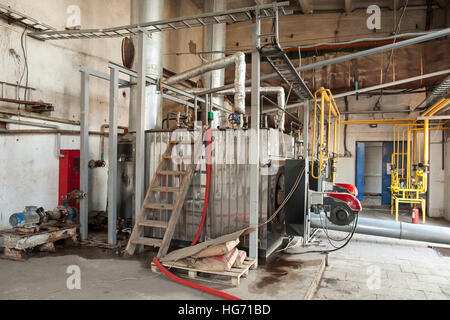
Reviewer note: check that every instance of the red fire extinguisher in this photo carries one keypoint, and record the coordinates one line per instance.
(415, 215)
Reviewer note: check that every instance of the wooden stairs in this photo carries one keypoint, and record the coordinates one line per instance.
(167, 170)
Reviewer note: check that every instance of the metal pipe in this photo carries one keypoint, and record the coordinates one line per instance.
(377, 87)
(37, 117)
(214, 40)
(143, 11)
(237, 59)
(281, 99)
(40, 125)
(427, 37)
(390, 229)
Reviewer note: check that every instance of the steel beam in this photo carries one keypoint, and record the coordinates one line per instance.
(254, 137)
(112, 157)
(84, 154)
(140, 123)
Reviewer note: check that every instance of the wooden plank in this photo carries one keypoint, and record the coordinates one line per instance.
(193, 273)
(172, 173)
(154, 223)
(166, 189)
(160, 206)
(150, 242)
(177, 157)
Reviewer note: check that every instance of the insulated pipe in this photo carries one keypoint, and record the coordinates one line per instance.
(143, 11)
(389, 229)
(237, 59)
(40, 125)
(214, 40)
(281, 99)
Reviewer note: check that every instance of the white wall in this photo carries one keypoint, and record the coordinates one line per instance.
(29, 167)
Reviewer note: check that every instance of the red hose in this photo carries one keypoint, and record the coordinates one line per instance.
(200, 228)
(208, 180)
(194, 285)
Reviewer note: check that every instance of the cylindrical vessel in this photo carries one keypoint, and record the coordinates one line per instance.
(390, 229)
(143, 11)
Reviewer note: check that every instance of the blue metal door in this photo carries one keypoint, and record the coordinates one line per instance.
(388, 148)
(359, 175)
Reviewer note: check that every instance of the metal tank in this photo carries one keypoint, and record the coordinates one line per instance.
(228, 207)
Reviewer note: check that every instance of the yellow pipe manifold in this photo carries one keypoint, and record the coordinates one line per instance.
(323, 150)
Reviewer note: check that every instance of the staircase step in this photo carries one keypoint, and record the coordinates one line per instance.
(178, 157)
(148, 242)
(172, 173)
(154, 224)
(166, 189)
(160, 206)
(182, 142)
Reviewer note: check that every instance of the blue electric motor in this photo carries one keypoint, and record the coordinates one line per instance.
(30, 217)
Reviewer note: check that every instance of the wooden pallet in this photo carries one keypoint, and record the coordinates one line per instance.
(231, 277)
(17, 242)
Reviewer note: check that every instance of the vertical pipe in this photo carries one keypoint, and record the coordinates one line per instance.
(143, 11)
(254, 137)
(415, 148)
(306, 226)
(112, 167)
(84, 154)
(140, 124)
(426, 141)
(408, 162)
(214, 40)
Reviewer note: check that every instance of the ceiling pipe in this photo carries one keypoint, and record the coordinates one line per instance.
(237, 59)
(427, 37)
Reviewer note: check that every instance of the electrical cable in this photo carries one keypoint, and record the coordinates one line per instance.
(332, 250)
(288, 197)
(205, 207)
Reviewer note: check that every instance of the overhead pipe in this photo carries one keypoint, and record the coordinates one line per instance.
(237, 59)
(427, 37)
(389, 229)
(40, 125)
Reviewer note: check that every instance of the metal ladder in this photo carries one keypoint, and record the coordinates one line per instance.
(280, 62)
(185, 173)
(200, 20)
(14, 16)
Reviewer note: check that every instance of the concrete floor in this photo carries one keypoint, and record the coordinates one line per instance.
(368, 268)
(387, 269)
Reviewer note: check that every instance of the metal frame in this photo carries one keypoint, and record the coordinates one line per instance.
(201, 20)
(14, 16)
(254, 136)
(115, 83)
